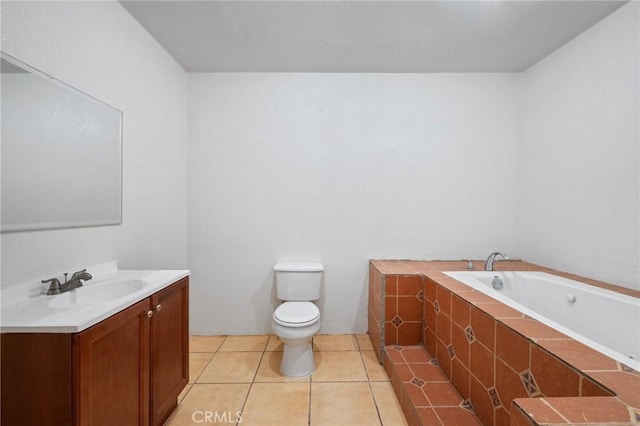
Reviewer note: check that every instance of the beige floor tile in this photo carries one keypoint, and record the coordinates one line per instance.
(274, 344)
(205, 343)
(197, 362)
(364, 342)
(335, 342)
(269, 369)
(387, 403)
(244, 343)
(210, 399)
(375, 370)
(184, 393)
(271, 404)
(339, 366)
(336, 404)
(231, 367)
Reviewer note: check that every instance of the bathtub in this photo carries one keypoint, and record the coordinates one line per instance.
(604, 320)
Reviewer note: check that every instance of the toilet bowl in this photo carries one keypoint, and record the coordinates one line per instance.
(295, 323)
(297, 319)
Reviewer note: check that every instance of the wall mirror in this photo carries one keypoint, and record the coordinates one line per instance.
(61, 153)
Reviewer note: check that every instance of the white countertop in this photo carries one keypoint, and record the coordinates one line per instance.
(27, 309)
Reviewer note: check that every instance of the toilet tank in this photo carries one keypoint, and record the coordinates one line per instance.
(298, 281)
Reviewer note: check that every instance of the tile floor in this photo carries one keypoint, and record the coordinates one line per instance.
(236, 378)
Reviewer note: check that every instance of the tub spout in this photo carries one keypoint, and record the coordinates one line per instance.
(488, 266)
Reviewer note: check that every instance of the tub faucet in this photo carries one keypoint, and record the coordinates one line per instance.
(488, 266)
(76, 281)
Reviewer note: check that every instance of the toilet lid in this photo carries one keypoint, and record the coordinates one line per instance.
(296, 312)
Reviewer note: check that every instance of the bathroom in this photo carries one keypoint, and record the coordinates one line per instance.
(227, 172)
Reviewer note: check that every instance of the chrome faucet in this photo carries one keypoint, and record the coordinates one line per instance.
(488, 265)
(76, 281)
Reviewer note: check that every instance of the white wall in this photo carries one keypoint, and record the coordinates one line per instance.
(100, 49)
(341, 168)
(580, 154)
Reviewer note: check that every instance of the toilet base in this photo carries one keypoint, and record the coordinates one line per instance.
(297, 359)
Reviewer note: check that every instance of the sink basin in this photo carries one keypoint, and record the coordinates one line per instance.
(100, 292)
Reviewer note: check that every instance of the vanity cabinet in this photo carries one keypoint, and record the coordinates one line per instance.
(125, 370)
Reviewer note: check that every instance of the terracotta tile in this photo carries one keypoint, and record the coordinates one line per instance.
(482, 364)
(476, 297)
(518, 418)
(393, 354)
(533, 329)
(442, 394)
(388, 367)
(390, 307)
(554, 378)
(391, 285)
(508, 384)
(274, 344)
(428, 372)
(409, 285)
(244, 344)
(502, 417)
(483, 327)
(410, 333)
(482, 404)
(197, 362)
(274, 402)
(430, 340)
(460, 311)
(590, 410)
(443, 296)
(335, 342)
(364, 342)
(335, 404)
(408, 408)
(269, 369)
(231, 367)
(460, 344)
(375, 371)
(387, 404)
(205, 343)
(339, 366)
(444, 360)
(460, 378)
(416, 395)
(538, 410)
(410, 308)
(457, 416)
(625, 385)
(512, 348)
(221, 398)
(590, 388)
(429, 315)
(443, 328)
(416, 354)
(427, 417)
(430, 287)
(499, 310)
(390, 334)
(404, 372)
(577, 354)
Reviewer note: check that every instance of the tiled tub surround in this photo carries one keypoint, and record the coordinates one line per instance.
(494, 355)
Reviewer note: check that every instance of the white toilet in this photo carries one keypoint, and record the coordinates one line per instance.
(297, 319)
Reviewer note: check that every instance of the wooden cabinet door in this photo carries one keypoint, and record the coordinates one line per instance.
(169, 348)
(111, 376)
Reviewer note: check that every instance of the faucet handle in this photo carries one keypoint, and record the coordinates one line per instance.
(469, 265)
(54, 287)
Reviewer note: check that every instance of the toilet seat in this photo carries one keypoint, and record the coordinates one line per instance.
(296, 314)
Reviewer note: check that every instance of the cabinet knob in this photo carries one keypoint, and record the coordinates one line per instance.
(149, 314)
(158, 307)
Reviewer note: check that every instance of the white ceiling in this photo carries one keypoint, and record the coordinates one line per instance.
(364, 36)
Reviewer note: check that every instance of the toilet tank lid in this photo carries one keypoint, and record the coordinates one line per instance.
(299, 267)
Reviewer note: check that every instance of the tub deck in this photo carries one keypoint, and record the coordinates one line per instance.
(512, 368)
